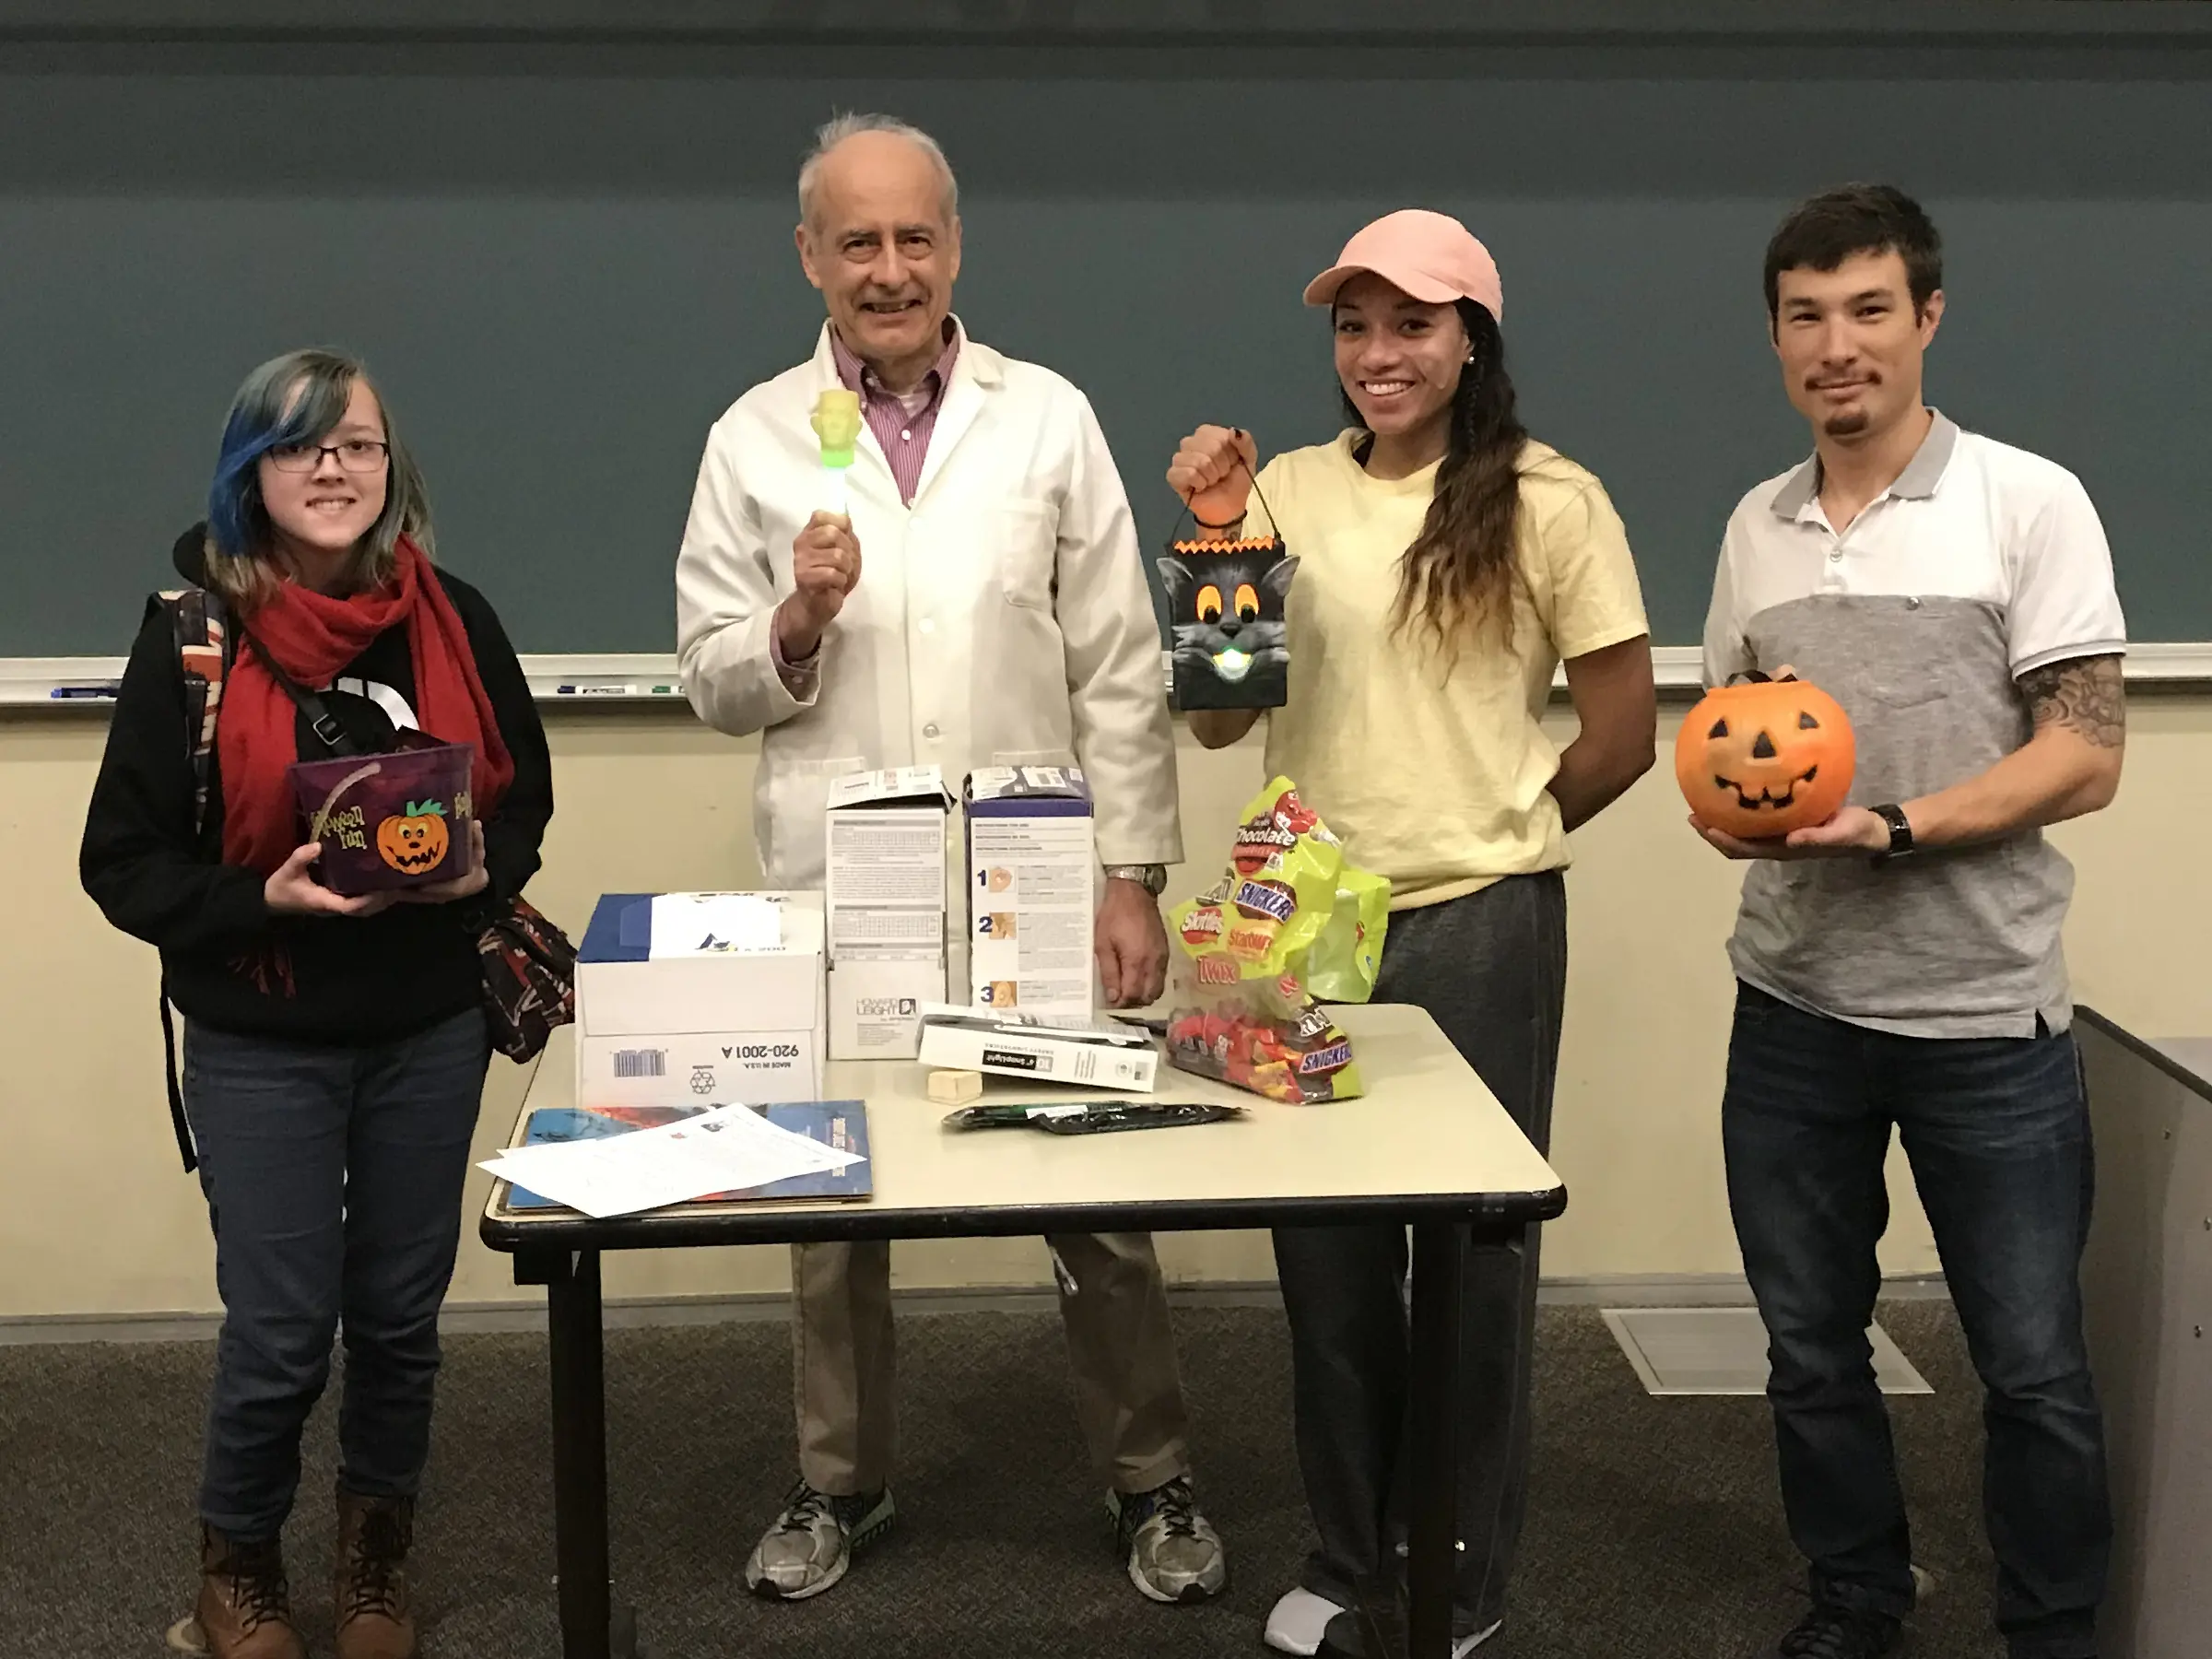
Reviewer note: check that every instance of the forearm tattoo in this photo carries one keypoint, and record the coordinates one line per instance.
(2084, 693)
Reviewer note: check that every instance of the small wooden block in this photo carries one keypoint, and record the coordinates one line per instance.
(955, 1088)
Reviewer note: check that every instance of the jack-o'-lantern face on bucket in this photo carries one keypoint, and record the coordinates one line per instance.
(1765, 758)
(415, 841)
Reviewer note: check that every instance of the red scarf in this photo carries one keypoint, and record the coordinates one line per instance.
(312, 636)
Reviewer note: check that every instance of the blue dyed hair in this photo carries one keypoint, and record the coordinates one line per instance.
(294, 399)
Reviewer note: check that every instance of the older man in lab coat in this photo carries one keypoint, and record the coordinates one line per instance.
(980, 602)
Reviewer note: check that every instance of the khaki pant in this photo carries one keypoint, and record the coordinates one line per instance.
(1128, 1393)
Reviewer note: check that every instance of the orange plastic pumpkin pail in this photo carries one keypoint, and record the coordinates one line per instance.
(1765, 757)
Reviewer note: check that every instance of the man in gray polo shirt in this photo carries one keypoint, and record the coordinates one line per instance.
(1901, 964)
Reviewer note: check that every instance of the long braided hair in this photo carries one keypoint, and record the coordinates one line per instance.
(1456, 583)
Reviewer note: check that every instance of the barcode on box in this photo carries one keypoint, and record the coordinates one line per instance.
(640, 1062)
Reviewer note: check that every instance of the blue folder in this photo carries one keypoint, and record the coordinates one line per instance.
(839, 1124)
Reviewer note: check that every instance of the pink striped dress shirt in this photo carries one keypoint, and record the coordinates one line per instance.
(902, 425)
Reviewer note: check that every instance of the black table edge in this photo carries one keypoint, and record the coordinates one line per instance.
(2191, 1081)
(673, 1229)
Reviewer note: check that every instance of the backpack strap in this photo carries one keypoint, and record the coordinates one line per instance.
(200, 624)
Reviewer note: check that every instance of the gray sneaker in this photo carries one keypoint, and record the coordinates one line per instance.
(1174, 1554)
(808, 1546)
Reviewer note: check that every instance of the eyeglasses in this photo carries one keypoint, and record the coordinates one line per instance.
(355, 456)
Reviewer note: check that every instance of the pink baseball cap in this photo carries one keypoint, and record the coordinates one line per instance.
(1432, 255)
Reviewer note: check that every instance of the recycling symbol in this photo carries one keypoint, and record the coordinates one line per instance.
(703, 1079)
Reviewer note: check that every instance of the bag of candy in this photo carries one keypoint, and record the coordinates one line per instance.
(1288, 923)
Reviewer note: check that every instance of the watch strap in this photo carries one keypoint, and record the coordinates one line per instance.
(1900, 829)
(1152, 878)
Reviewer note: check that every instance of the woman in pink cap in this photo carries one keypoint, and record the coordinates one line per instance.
(1447, 564)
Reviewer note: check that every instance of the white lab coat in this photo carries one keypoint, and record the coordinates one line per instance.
(1002, 620)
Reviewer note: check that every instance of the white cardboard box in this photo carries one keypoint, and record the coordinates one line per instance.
(696, 1068)
(1032, 872)
(884, 834)
(1107, 1056)
(646, 1023)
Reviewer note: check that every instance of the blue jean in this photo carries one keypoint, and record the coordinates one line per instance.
(1997, 1132)
(332, 1178)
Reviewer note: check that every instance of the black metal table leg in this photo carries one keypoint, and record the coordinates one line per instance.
(580, 1455)
(1433, 1420)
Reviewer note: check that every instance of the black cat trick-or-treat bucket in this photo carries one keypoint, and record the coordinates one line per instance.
(1225, 603)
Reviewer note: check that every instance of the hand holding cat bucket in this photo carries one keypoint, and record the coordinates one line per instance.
(1225, 597)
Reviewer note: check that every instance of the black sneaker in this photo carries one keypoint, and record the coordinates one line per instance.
(1837, 1633)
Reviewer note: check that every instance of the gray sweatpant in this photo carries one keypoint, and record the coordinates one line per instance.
(1491, 969)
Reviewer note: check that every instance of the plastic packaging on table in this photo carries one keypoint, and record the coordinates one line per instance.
(1288, 923)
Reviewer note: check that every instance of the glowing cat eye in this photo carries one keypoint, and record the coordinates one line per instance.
(1209, 604)
(1248, 602)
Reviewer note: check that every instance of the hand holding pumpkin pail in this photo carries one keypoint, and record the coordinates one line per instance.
(1758, 758)
(388, 821)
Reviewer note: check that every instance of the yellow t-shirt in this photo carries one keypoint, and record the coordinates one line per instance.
(1436, 781)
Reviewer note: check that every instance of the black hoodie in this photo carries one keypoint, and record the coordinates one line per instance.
(227, 960)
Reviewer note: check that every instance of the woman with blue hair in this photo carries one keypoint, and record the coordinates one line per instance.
(335, 1048)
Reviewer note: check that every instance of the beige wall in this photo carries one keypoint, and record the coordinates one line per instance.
(95, 1218)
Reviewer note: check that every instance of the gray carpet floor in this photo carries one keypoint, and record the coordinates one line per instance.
(1655, 1530)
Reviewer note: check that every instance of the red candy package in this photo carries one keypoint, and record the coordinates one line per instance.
(1289, 922)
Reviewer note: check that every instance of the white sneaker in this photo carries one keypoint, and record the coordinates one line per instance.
(1298, 1622)
(1172, 1550)
(1295, 1623)
(807, 1547)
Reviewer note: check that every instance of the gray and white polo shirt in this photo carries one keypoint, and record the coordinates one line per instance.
(1980, 563)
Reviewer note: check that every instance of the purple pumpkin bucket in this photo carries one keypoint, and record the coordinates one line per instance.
(395, 820)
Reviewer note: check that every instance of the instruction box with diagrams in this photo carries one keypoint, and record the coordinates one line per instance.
(1032, 874)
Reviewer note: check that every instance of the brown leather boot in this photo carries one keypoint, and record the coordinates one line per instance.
(374, 1534)
(245, 1607)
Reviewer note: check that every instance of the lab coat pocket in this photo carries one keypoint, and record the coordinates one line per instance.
(1027, 533)
(790, 830)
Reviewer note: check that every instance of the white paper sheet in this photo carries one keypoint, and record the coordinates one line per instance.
(709, 923)
(729, 1148)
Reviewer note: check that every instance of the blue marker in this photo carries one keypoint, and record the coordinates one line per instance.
(74, 691)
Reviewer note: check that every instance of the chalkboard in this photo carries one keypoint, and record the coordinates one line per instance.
(562, 265)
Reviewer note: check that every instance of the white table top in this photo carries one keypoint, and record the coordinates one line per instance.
(1428, 1140)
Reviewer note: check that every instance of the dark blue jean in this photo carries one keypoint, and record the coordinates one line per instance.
(332, 1178)
(1997, 1132)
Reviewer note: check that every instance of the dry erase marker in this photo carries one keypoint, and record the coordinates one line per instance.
(595, 691)
(77, 692)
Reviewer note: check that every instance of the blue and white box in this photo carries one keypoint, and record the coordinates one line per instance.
(1033, 879)
(692, 998)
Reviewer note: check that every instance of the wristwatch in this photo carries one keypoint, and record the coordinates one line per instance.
(1900, 831)
(1153, 878)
